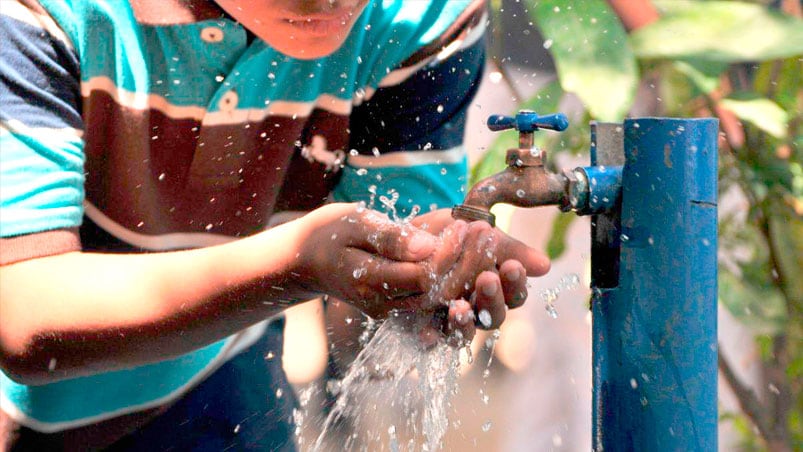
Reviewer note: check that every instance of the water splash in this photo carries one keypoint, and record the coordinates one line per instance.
(380, 373)
(550, 295)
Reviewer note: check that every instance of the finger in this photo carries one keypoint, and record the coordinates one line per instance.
(366, 276)
(460, 328)
(434, 222)
(535, 263)
(514, 283)
(376, 233)
(450, 248)
(489, 301)
(477, 254)
(432, 330)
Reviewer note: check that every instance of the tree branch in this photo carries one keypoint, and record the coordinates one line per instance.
(748, 401)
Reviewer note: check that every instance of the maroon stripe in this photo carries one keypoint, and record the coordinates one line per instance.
(157, 175)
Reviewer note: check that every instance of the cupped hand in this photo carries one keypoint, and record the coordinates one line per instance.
(362, 257)
(482, 271)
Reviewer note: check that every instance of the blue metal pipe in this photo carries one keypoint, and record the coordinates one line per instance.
(655, 333)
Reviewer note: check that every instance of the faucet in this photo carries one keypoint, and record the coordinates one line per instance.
(525, 182)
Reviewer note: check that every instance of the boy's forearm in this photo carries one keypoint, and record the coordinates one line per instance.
(96, 312)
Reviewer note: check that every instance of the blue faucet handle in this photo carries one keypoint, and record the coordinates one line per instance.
(528, 121)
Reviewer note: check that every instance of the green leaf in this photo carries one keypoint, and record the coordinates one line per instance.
(592, 55)
(761, 112)
(493, 160)
(781, 81)
(760, 308)
(703, 74)
(786, 231)
(556, 245)
(725, 31)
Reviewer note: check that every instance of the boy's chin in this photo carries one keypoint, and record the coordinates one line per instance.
(306, 49)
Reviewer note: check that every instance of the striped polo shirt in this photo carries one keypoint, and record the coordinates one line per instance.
(121, 134)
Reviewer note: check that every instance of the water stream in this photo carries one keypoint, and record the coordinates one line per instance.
(381, 398)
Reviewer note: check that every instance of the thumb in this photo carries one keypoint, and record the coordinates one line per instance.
(534, 262)
(377, 234)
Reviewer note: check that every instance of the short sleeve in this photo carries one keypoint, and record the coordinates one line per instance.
(409, 134)
(41, 163)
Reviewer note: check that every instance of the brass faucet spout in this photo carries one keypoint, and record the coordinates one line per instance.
(525, 182)
(519, 186)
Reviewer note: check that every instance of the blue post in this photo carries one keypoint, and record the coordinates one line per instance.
(655, 331)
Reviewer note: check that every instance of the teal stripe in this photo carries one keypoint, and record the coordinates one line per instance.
(430, 187)
(175, 63)
(84, 397)
(43, 184)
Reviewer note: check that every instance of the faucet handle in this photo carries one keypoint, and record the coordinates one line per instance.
(528, 121)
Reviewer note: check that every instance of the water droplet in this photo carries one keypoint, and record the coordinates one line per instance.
(624, 237)
(633, 383)
(162, 177)
(443, 171)
(269, 356)
(520, 193)
(557, 441)
(237, 429)
(485, 318)
(439, 109)
(550, 309)
(51, 366)
(486, 426)
(279, 393)
(548, 43)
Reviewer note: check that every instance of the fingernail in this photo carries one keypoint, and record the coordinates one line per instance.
(512, 275)
(489, 290)
(420, 242)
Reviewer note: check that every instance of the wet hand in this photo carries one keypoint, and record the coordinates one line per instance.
(482, 271)
(361, 256)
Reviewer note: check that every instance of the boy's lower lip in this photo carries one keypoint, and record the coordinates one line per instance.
(319, 26)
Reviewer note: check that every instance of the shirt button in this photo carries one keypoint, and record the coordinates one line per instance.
(229, 101)
(212, 34)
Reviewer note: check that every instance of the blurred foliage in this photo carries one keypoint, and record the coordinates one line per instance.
(742, 62)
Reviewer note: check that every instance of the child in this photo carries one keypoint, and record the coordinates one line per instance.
(175, 172)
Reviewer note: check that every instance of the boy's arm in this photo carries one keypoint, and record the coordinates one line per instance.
(80, 313)
(65, 313)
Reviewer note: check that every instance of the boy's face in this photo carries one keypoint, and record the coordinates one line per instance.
(303, 29)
